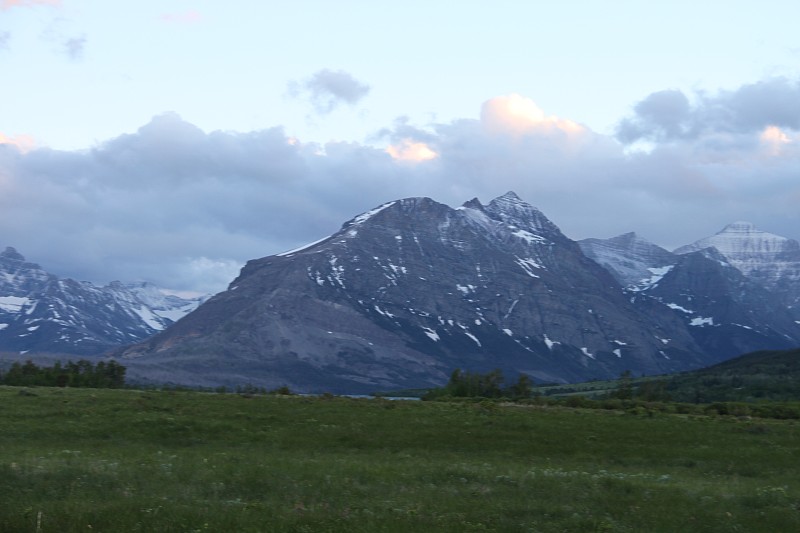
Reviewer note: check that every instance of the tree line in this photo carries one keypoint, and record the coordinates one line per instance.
(103, 375)
(465, 384)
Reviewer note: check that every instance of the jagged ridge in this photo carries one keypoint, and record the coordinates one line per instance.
(40, 312)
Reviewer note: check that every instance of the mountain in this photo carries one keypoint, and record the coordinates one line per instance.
(407, 292)
(765, 258)
(727, 312)
(40, 312)
(629, 258)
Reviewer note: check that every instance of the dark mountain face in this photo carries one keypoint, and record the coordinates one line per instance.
(40, 312)
(411, 290)
(770, 260)
(727, 313)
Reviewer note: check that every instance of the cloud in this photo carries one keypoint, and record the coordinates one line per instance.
(670, 116)
(775, 140)
(5, 36)
(327, 89)
(409, 150)
(74, 47)
(8, 4)
(65, 37)
(661, 116)
(516, 115)
(184, 208)
(23, 143)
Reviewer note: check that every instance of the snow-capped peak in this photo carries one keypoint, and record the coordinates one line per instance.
(769, 259)
(739, 227)
(741, 241)
(628, 257)
(512, 210)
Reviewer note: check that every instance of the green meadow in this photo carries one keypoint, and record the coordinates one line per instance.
(127, 460)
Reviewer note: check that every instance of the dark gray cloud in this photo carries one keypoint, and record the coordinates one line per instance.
(662, 115)
(184, 208)
(667, 116)
(326, 89)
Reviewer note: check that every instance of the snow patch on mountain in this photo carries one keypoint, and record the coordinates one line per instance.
(657, 274)
(677, 307)
(702, 321)
(431, 334)
(360, 219)
(13, 304)
(290, 253)
(527, 264)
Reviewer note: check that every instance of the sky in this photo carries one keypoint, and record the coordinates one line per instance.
(171, 141)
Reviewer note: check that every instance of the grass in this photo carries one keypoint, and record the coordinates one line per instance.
(123, 460)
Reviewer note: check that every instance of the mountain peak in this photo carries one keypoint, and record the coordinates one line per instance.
(510, 195)
(473, 204)
(628, 257)
(627, 239)
(739, 227)
(11, 254)
(510, 202)
(740, 240)
(511, 209)
(772, 260)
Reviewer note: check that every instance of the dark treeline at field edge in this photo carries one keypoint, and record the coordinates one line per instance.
(103, 375)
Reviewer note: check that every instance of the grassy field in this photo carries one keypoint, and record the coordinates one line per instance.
(124, 460)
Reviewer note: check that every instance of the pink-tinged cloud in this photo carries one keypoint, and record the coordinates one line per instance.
(23, 143)
(408, 150)
(184, 17)
(8, 4)
(516, 115)
(774, 139)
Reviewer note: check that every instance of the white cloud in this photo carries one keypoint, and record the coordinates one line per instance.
(410, 150)
(516, 115)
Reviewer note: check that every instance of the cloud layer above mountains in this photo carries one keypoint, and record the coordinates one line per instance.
(185, 208)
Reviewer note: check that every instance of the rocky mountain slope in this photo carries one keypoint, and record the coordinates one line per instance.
(40, 312)
(768, 259)
(728, 312)
(410, 290)
(628, 257)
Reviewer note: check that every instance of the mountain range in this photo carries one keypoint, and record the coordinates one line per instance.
(40, 312)
(407, 292)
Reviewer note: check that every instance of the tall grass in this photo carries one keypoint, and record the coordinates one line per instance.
(119, 460)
